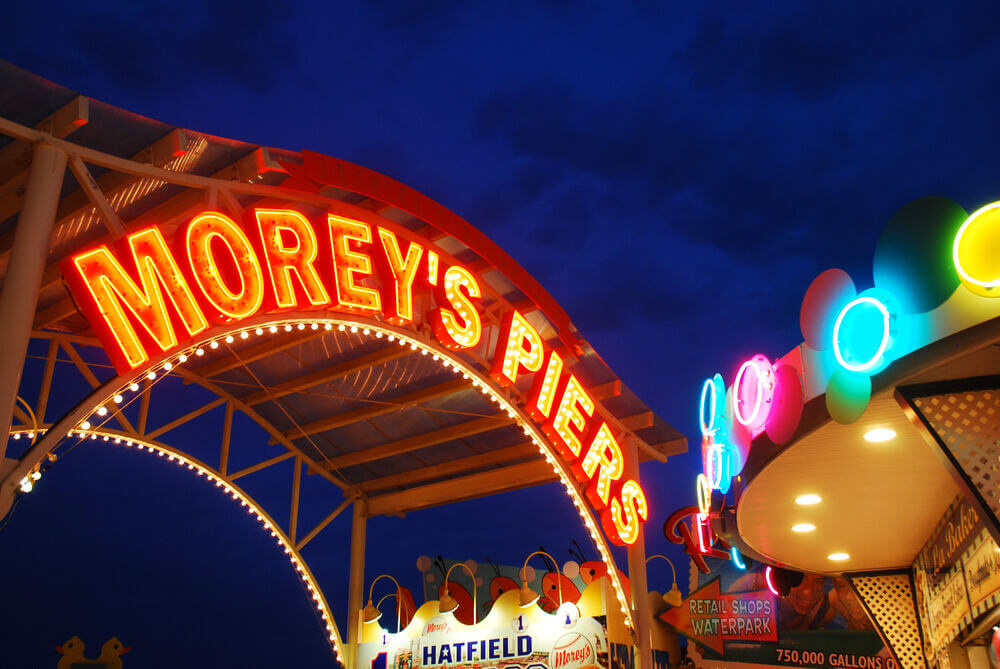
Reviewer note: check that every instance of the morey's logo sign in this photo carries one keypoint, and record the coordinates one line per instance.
(572, 651)
(146, 297)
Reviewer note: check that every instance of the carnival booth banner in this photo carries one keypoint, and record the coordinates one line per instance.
(555, 585)
(510, 637)
(734, 615)
(956, 577)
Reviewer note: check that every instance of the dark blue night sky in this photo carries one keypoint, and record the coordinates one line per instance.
(675, 174)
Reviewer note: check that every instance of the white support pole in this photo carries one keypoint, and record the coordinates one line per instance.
(637, 576)
(19, 296)
(357, 580)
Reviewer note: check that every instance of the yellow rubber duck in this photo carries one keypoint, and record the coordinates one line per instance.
(72, 652)
(111, 653)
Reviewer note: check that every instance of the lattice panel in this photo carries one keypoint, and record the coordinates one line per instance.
(889, 598)
(968, 423)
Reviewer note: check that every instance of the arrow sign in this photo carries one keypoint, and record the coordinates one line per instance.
(709, 618)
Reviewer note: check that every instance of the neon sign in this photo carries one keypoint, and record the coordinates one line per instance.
(769, 579)
(753, 392)
(877, 321)
(974, 252)
(697, 536)
(848, 338)
(144, 299)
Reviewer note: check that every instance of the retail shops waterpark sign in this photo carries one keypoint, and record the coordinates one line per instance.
(148, 299)
(732, 616)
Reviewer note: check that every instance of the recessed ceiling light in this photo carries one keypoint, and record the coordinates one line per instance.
(803, 527)
(880, 434)
(806, 500)
(838, 557)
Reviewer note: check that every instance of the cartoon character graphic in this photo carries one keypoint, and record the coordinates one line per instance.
(72, 654)
(407, 606)
(557, 588)
(499, 584)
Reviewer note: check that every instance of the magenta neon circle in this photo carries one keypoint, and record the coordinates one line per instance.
(763, 375)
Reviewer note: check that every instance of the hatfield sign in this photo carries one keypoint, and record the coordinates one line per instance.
(146, 298)
(544, 642)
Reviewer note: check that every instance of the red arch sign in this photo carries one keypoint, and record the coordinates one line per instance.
(146, 297)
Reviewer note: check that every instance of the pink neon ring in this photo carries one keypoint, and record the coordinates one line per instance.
(751, 421)
(770, 583)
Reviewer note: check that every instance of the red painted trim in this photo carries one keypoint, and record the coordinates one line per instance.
(325, 170)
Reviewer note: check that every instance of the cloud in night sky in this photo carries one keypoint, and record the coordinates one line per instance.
(675, 175)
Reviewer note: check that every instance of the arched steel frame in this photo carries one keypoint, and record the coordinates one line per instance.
(84, 417)
(226, 485)
(221, 191)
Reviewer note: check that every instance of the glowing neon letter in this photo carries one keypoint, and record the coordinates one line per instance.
(570, 421)
(399, 301)
(458, 327)
(347, 263)
(103, 287)
(604, 457)
(203, 230)
(519, 348)
(432, 268)
(543, 391)
(290, 249)
(705, 537)
(624, 514)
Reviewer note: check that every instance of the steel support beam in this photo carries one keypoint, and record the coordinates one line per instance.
(373, 409)
(261, 465)
(323, 523)
(227, 433)
(417, 442)
(19, 297)
(511, 477)
(293, 518)
(641, 611)
(357, 580)
(428, 472)
(327, 374)
(50, 368)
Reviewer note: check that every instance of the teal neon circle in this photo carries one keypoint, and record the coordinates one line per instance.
(707, 429)
(875, 358)
(714, 475)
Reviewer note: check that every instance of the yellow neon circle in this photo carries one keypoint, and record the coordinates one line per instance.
(704, 491)
(976, 252)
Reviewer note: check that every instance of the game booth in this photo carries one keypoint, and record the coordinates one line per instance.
(847, 512)
(172, 284)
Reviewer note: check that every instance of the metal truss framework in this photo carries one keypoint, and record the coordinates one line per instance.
(102, 202)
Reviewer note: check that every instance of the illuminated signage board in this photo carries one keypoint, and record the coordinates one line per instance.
(522, 640)
(146, 297)
(735, 619)
(956, 575)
